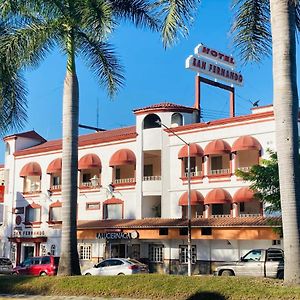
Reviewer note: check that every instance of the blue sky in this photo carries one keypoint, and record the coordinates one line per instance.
(153, 75)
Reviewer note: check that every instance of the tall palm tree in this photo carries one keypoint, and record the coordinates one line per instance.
(12, 91)
(81, 27)
(255, 37)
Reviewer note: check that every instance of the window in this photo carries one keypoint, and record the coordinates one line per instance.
(33, 214)
(206, 231)
(183, 231)
(113, 211)
(93, 206)
(254, 255)
(217, 209)
(151, 121)
(242, 206)
(183, 254)
(85, 252)
(56, 180)
(274, 255)
(216, 163)
(19, 210)
(32, 184)
(176, 120)
(86, 178)
(156, 253)
(163, 231)
(55, 214)
(118, 173)
(148, 170)
(45, 260)
(52, 249)
(193, 164)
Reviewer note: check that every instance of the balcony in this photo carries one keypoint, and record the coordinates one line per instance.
(124, 181)
(152, 178)
(219, 172)
(244, 169)
(194, 174)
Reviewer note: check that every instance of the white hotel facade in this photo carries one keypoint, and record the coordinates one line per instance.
(132, 191)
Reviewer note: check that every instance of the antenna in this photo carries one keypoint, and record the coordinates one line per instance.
(97, 113)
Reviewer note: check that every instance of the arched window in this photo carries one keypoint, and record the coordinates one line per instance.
(53, 249)
(152, 121)
(176, 120)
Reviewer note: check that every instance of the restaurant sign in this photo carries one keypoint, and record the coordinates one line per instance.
(215, 64)
(117, 235)
(28, 233)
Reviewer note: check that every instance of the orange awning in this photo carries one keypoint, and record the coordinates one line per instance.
(196, 198)
(89, 161)
(246, 142)
(122, 157)
(54, 166)
(113, 200)
(244, 194)
(217, 147)
(195, 150)
(218, 196)
(56, 204)
(31, 169)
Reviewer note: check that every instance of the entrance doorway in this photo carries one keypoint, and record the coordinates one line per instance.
(28, 251)
(117, 250)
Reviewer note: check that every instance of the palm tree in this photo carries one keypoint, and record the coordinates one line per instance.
(254, 37)
(12, 91)
(81, 27)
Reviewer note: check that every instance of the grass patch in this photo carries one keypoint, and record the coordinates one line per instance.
(151, 286)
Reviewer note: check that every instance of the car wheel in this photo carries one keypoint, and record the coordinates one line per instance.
(14, 274)
(227, 273)
(121, 274)
(43, 274)
(280, 275)
(87, 274)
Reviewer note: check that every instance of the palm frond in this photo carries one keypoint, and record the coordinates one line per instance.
(139, 12)
(176, 15)
(97, 17)
(251, 29)
(102, 61)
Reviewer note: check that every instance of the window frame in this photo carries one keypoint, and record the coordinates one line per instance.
(156, 253)
(183, 254)
(85, 251)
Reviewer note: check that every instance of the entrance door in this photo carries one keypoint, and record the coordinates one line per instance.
(28, 251)
(117, 250)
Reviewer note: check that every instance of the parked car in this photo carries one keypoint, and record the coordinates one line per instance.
(257, 262)
(38, 266)
(117, 266)
(5, 265)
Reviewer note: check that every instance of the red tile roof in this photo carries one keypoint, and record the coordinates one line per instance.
(164, 106)
(87, 139)
(176, 223)
(28, 134)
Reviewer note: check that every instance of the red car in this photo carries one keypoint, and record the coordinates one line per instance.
(38, 266)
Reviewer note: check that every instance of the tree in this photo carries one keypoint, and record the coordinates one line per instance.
(12, 91)
(81, 27)
(264, 181)
(254, 37)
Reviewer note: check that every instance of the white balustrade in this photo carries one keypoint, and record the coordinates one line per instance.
(152, 178)
(219, 171)
(124, 180)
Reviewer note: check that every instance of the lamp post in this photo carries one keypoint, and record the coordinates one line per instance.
(189, 226)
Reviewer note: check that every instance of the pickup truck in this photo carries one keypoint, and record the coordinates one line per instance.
(257, 262)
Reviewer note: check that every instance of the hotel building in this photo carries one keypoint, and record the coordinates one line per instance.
(132, 191)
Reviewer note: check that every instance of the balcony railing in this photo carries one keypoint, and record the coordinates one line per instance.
(152, 178)
(244, 169)
(221, 216)
(193, 174)
(55, 187)
(219, 171)
(250, 215)
(124, 180)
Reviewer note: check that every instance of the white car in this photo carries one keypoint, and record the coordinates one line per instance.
(117, 266)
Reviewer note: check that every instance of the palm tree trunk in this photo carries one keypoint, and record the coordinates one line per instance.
(286, 118)
(69, 261)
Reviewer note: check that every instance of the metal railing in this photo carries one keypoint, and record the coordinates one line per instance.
(193, 174)
(152, 178)
(219, 171)
(124, 180)
(244, 169)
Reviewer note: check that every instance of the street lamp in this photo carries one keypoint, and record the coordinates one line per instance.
(189, 226)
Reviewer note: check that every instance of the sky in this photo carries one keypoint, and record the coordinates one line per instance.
(153, 75)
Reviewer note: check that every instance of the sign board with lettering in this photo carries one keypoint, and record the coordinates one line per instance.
(215, 64)
(117, 235)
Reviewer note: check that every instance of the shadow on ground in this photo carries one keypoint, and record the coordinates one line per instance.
(206, 296)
